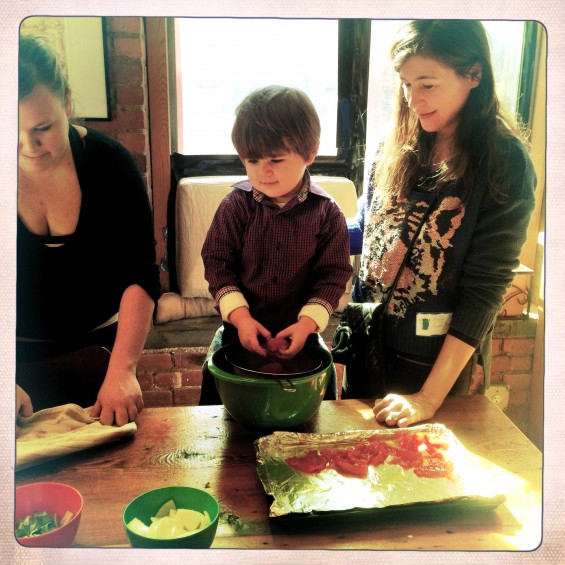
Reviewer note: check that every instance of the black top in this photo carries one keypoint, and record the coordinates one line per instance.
(67, 290)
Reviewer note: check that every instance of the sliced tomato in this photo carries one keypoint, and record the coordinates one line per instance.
(312, 462)
(378, 458)
(410, 451)
(347, 468)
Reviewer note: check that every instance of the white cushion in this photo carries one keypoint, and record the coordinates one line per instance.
(173, 306)
(196, 203)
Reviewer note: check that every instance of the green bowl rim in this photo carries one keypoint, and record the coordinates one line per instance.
(221, 374)
(194, 489)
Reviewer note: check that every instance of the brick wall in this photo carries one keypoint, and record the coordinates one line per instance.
(512, 364)
(172, 376)
(127, 73)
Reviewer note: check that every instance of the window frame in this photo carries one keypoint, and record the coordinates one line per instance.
(354, 43)
(353, 80)
(528, 71)
(353, 71)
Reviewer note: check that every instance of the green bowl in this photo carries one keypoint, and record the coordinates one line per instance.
(268, 403)
(147, 504)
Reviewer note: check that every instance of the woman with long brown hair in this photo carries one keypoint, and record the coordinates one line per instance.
(453, 148)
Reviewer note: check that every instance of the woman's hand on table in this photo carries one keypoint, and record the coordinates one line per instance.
(119, 400)
(403, 410)
(23, 405)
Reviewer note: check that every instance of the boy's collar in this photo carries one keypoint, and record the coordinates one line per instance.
(259, 196)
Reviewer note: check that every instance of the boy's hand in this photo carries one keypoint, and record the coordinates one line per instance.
(248, 330)
(297, 334)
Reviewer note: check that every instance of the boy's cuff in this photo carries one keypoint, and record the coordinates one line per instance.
(230, 302)
(318, 313)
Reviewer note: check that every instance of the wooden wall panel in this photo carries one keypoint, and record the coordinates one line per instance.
(159, 135)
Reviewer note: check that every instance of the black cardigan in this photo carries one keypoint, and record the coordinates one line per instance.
(66, 290)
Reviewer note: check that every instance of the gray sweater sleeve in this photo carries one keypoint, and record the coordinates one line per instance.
(494, 251)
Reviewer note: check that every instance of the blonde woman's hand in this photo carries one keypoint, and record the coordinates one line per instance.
(23, 405)
(119, 400)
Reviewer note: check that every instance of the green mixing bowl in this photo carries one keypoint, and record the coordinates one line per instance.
(280, 402)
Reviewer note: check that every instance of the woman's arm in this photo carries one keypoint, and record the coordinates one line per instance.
(120, 399)
(409, 409)
(356, 226)
(494, 251)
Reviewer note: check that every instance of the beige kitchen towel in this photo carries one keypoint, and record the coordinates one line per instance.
(61, 430)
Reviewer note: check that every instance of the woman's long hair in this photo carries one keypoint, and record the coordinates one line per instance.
(405, 158)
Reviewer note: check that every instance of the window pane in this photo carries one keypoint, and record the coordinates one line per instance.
(222, 60)
(505, 38)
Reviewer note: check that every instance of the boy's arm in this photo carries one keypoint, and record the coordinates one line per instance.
(331, 270)
(317, 313)
(229, 299)
(221, 257)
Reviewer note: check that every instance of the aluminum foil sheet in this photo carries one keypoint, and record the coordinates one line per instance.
(385, 485)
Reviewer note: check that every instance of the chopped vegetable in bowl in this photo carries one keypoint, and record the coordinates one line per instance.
(40, 523)
(171, 522)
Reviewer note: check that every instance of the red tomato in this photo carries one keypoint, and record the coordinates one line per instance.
(410, 451)
(349, 468)
(312, 462)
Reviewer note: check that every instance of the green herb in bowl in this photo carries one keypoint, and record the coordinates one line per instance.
(40, 523)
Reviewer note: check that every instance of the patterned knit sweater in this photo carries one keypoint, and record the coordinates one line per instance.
(461, 264)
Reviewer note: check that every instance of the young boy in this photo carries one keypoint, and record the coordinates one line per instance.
(276, 256)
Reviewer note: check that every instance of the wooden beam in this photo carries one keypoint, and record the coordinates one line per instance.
(159, 134)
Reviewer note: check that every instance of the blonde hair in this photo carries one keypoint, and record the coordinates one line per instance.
(39, 65)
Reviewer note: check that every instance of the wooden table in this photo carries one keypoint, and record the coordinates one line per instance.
(205, 448)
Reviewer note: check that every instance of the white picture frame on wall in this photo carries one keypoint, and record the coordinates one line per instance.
(80, 42)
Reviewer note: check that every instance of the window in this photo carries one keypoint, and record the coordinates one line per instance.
(343, 65)
(222, 60)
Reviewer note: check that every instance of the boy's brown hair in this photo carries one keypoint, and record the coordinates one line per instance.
(276, 119)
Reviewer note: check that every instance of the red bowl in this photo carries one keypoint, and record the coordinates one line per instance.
(54, 498)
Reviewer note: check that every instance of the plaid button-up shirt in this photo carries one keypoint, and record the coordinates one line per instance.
(281, 260)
